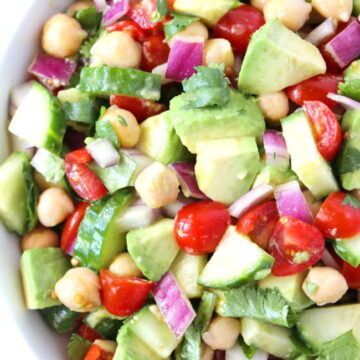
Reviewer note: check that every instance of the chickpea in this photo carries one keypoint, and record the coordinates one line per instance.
(54, 207)
(337, 9)
(324, 285)
(79, 289)
(196, 28)
(40, 237)
(117, 49)
(157, 185)
(106, 345)
(313, 204)
(292, 13)
(207, 353)
(258, 4)
(218, 51)
(124, 265)
(222, 333)
(62, 36)
(79, 5)
(274, 106)
(125, 125)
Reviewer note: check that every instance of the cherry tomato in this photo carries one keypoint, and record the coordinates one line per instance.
(154, 52)
(200, 226)
(141, 108)
(336, 220)
(122, 296)
(327, 128)
(259, 223)
(96, 353)
(142, 13)
(352, 275)
(84, 182)
(238, 25)
(88, 333)
(315, 89)
(295, 245)
(71, 227)
(130, 27)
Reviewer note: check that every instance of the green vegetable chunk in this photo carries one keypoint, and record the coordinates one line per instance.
(104, 129)
(78, 347)
(83, 112)
(351, 85)
(349, 249)
(88, 18)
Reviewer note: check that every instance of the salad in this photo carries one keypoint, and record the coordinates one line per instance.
(186, 179)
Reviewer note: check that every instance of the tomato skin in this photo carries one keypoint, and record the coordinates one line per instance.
(200, 226)
(130, 27)
(88, 333)
(154, 52)
(238, 25)
(96, 353)
(141, 12)
(293, 236)
(259, 223)
(327, 128)
(315, 89)
(71, 227)
(352, 275)
(335, 220)
(122, 296)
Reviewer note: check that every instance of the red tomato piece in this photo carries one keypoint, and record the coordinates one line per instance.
(327, 128)
(130, 27)
(71, 227)
(154, 52)
(336, 220)
(122, 296)
(259, 223)
(141, 108)
(200, 226)
(295, 245)
(88, 333)
(84, 182)
(238, 25)
(315, 89)
(96, 353)
(352, 275)
(142, 12)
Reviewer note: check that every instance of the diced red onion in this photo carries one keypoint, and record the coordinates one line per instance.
(17, 96)
(321, 32)
(142, 160)
(185, 54)
(275, 149)
(344, 101)
(103, 152)
(251, 199)
(100, 5)
(345, 47)
(171, 210)
(114, 11)
(186, 174)
(174, 306)
(236, 353)
(290, 201)
(329, 260)
(52, 71)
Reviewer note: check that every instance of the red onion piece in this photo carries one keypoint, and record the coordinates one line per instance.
(345, 101)
(321, 32)
(114, 11)
(103, 153)
(186, 175)
(100, 5)
(174, 306)
(18, 94)
(345, 47)
(251, 199)
(275, 149)
(290, 201)
(52, 71)
(185, 54)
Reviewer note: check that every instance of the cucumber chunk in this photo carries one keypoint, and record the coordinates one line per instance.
(349, 250)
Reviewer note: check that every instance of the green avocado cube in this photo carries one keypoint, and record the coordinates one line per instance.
(351, 85)
(41, 269)
(277, 58)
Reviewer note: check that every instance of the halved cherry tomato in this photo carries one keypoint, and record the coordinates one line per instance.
(327, 128)
(315, 89)
(88, 333)
(336, 220)
(142, 12)
(84, 182)
(295, 245)
(122, 296)
(96, 353)
(200, 226)
(259, 223)
(238, 25)
(141, 108)
(352, 275)
(154, 52)
(130, 27)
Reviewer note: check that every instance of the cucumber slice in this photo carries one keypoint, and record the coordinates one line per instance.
(236, 261)
(104, 80)
(83, 112)
(319, 325)
(18, 194)
(349, 250)
(99, 238)
(40, 120)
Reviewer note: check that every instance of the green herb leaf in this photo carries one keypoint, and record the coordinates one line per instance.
(258, 304)
(205, 97)
(179, 23)
(352, 201)
(248, 350)
(104, 129)
(89, 18)
(32, 193)
(311, 288)
(122, 121)
(88, 44)
(162, 9)
(78, 347)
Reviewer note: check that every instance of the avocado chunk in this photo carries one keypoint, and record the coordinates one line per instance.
(225, 169)
(273, 175)
(153, 248)
(159, 140)
(241, 116)
(277, 58)
(209, 11)
(41, 269)
(351, 85)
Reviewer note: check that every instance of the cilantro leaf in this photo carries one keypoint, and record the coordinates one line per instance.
(104, 129)
(352, 201)
(88, 44)
(248, 350)
(78, 347)
(89, 18)
(259, 304)
(179, 23)
(122, 121)
(205, 97)
(162, 9)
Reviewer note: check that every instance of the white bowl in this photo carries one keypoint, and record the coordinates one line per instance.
(23, 332)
